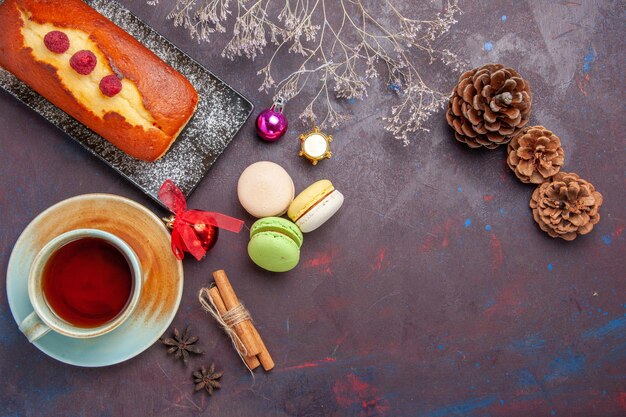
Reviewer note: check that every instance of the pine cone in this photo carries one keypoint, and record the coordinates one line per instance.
(535, 154)
(566, 207)
(488, 106)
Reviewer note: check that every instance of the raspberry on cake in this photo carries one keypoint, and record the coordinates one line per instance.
(56, 41)
(83, 62)
(110, 85)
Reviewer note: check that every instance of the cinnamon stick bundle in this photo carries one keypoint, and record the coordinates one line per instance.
(225, 300)
(214, 293)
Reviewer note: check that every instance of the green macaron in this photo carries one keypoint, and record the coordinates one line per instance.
(275, 244)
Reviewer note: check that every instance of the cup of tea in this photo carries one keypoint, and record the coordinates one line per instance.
(83, 283)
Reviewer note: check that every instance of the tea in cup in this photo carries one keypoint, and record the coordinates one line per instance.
(83, 283)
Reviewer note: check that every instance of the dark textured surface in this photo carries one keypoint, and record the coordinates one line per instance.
(432, 292)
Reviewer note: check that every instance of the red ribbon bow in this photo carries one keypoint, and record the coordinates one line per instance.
(193, 230)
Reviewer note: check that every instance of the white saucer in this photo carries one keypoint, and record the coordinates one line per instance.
(162, 285)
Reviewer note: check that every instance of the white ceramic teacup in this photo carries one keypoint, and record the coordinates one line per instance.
(43, 318)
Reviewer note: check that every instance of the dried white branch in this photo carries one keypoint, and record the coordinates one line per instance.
(340, 53)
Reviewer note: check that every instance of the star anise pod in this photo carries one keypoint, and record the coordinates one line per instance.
(181, 346)
(207, 379)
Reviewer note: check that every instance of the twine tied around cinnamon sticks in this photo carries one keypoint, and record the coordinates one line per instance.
(228, 320)
(222, 303)
(236, 315)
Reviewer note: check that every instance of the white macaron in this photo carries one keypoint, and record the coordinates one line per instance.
(315, 205)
